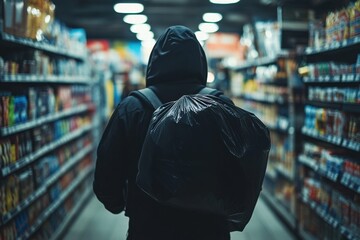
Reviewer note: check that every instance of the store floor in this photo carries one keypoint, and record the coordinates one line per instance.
(96, 223)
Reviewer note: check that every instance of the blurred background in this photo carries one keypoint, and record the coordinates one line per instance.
(65, 65)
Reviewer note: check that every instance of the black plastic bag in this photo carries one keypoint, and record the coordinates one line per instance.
(205, 154)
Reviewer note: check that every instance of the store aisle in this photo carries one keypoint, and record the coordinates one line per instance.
(96, 223)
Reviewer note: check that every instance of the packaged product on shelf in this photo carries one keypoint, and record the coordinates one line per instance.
(316, 34)
(343, 22)
(11, 193)
(55, 192)
(345, 211)
(2, 199)
(9, 12)
(355, 19)
(26, 184)
(355, 219)
(5, 149)
(21, 223)
(20, 109)
(63, 98)
(44, 168)
(2, 66)
(354, 129)
(4, 102)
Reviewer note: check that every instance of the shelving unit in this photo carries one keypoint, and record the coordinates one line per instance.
(69, 129)
(328, 152)
(275, 100)
(30, 78)
(8, 39)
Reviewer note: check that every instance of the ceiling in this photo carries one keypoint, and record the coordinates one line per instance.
(99, 19)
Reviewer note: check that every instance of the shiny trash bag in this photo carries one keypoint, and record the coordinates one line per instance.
(205, 154)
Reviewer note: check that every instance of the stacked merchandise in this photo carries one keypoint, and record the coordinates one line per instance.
(36, 65)
(329, 162)
(46, 121)
(32, 23)
(340, 28)
(266, 91)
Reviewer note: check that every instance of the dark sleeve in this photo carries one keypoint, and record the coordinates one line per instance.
(111, 165)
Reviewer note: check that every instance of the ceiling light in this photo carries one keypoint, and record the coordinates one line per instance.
(212, 17)
(208, 27)
(201, 36)
(140, 28)
(143, 36)
(135, 18)
(128, 7)
(148, 43)
(224, 1)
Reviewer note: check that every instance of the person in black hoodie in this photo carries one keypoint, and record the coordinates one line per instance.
(177, 67)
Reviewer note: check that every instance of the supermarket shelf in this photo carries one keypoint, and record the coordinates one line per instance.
(336, 46)
(347, 180)
(280, 169)
(347, 233)
(350, 182)
(51, 180)
(321, 212)
(74, 213)
(7, 38)
(347, 107)
(351, 107)
(33, 78)
(271, 174)
(276, 82)
(311, 163)
(24, 204)
(328, 218)
(280, 209)
(278, 129)
(52, 208)
(264, 99)
(324, 104)
(5, 171)
(69, 164)
(256, 62)
(338, 141)
(338, 79)
(5, 131)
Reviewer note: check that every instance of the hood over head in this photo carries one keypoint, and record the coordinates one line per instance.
(177, 57)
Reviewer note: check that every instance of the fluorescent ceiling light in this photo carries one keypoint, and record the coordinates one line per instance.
(212, 17)
(224, 1)
(140, 28)
(208, 27)
(148, 43)
(143, 36)
(135, 18)
(128, 7)
(201, 36)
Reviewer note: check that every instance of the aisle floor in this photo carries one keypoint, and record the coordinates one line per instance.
(95, 223)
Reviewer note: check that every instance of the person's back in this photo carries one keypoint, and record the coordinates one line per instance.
(177, 67)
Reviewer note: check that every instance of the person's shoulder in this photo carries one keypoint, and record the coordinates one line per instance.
(129, 104)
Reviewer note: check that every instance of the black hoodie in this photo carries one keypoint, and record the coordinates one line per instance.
(177, 66)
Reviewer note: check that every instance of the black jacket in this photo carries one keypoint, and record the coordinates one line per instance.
(177, 66)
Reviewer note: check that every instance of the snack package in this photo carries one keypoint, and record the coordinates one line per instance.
(354, 13)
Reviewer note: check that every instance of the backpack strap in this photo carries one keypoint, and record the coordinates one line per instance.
(148, 96)
(210, 91)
